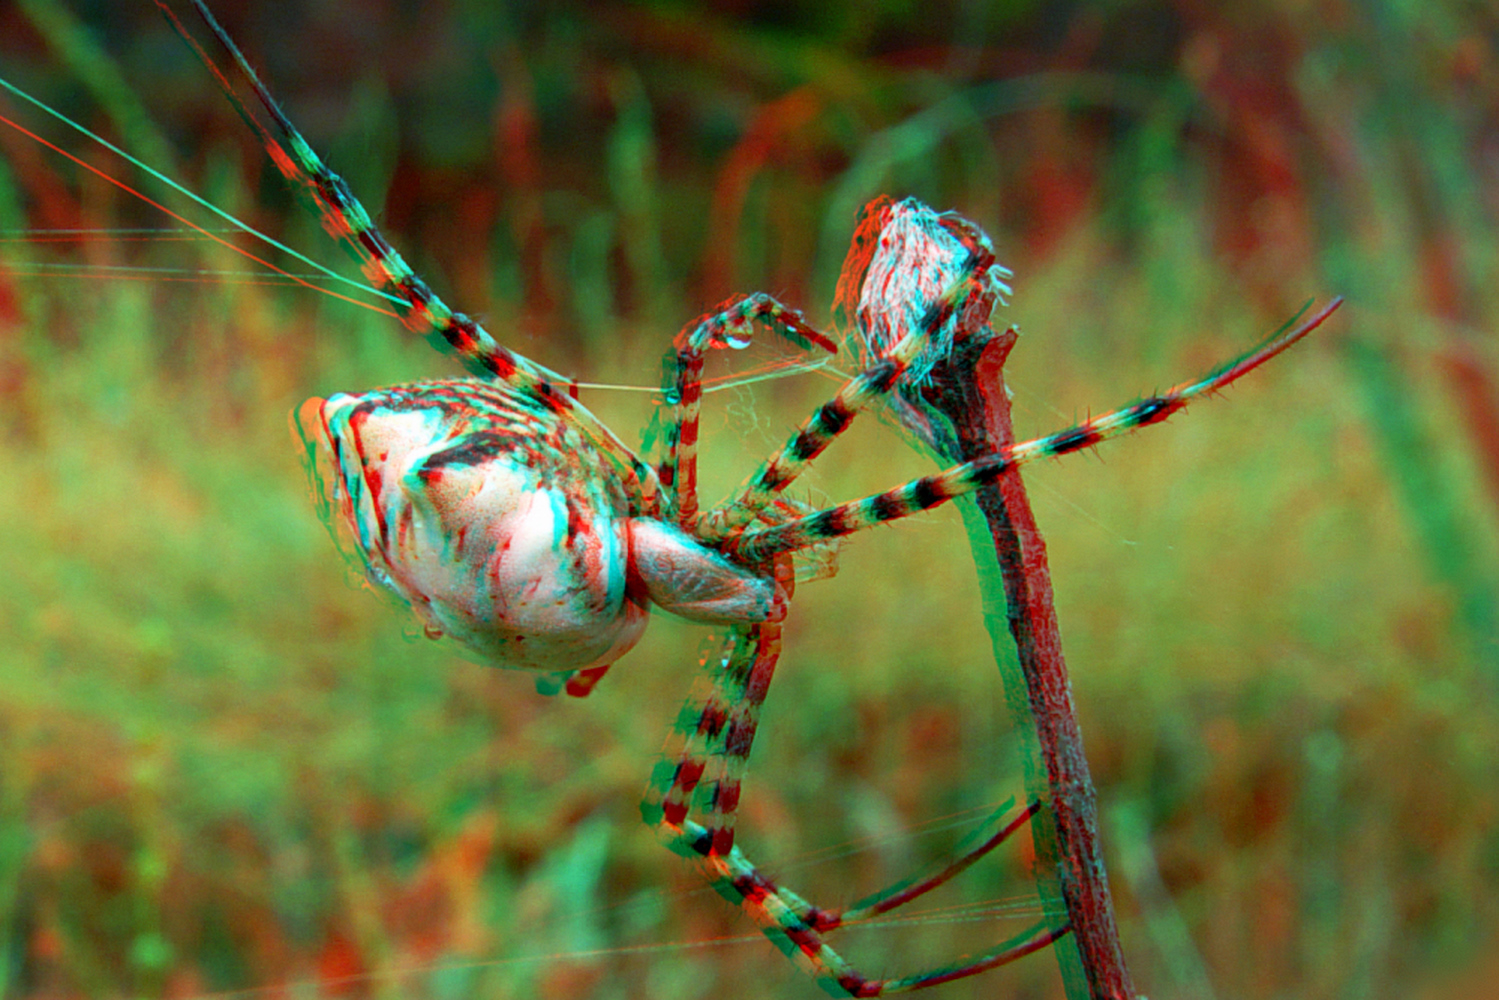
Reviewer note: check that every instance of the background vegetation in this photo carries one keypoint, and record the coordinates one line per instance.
(224, 771)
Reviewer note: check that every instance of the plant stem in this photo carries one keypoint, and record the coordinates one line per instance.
(967, 388)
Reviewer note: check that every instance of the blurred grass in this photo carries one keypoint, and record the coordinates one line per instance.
(223, 769)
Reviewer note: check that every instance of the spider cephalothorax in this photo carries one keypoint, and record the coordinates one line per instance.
(508, 516)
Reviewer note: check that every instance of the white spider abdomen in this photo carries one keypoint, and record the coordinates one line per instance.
(470, 524)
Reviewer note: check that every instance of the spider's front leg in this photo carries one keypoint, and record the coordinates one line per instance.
(949, 305)
(730, 324)
(694, 797)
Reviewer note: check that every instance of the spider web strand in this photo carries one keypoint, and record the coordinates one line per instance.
(167, 211)
(238, 224)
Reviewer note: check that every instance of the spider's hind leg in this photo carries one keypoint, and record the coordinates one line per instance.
(799, 929)
(693, 801)
(704, 758)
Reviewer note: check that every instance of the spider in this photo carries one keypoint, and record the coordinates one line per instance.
(510, 518)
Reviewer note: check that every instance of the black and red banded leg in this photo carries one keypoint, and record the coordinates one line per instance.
(801, 929)
(728, 325)
(758, 544)
(693, 802)
(706, 754)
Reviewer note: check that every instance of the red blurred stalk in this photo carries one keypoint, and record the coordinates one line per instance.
(968, 388)
(1477, 396)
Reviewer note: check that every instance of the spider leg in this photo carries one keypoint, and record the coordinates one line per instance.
(728, 325)
(705, 756)
(693, 799)
(903, 892)
(970, 299)
(754, 545)
(577, 683)
(799, 929)
(420, 308)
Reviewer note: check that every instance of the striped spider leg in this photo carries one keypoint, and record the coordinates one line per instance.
(960, 480)
(728, 325)
(692, 801)
(508, 516)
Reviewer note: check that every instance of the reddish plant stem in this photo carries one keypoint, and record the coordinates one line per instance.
(968, 390)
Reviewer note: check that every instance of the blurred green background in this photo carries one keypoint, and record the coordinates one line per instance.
(227, 771)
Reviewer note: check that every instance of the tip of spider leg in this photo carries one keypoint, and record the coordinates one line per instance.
(584, 681)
